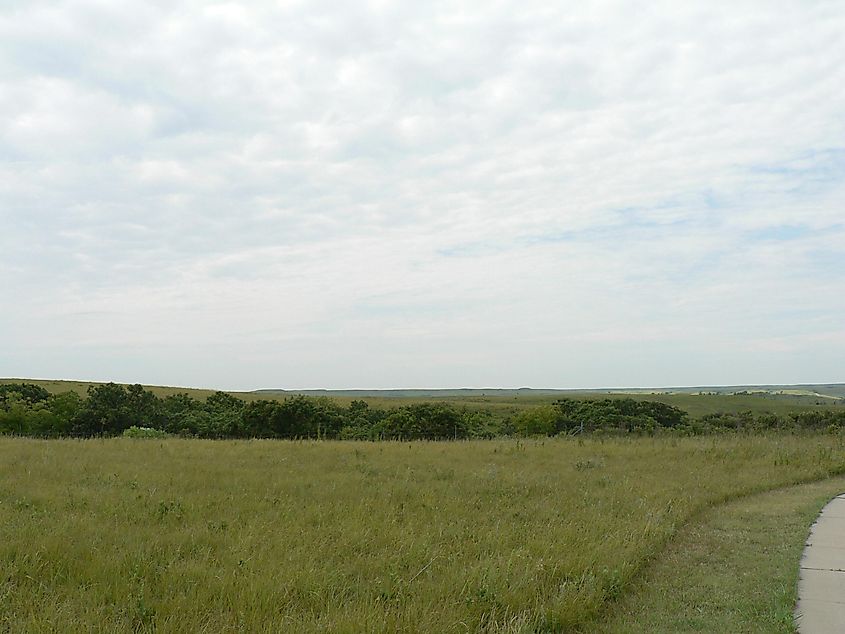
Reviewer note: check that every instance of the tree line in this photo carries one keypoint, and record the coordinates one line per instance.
(112, 410)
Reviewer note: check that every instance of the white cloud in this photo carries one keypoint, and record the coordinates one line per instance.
(376, 194)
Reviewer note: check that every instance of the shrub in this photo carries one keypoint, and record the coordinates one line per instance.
(537, 421)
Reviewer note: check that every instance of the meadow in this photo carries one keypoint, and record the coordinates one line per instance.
(186, 535)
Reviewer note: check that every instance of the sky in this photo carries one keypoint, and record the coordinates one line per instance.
(423, 194)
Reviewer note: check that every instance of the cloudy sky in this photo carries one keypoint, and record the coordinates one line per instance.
(423, 194)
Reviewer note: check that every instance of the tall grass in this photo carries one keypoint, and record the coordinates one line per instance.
(177, 535)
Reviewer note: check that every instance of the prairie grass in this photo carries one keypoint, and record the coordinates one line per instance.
(735, 570)
(174, 535)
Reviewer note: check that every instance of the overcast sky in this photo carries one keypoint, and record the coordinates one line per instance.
(423, 194)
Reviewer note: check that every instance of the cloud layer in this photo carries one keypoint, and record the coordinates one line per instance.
(423, 194)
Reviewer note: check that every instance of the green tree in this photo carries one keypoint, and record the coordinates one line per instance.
(104, 413)
(537, 421)
(27, 392)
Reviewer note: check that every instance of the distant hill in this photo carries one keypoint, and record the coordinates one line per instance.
(697, 401)
(830, 390)
(81, 387)
(499, 402)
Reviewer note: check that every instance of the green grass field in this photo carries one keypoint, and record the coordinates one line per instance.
(733, 569)
(267, 536)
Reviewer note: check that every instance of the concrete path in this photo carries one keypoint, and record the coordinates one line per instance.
(821, 586)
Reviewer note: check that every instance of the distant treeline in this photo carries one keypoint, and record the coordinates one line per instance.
(112, 410)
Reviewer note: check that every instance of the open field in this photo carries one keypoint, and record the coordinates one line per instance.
(260, 536)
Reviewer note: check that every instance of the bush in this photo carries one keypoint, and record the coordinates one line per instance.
(422, 421)
(537, 421)
(618, 414)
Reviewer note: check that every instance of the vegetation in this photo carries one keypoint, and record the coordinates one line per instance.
(733, 570)
(501, 405)
(110, 409)
(497, 536)
(144, 432)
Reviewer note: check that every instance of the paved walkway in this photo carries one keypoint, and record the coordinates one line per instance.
(821, 587)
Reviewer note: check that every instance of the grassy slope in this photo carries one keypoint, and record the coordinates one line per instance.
(188, 536)
(503, 403)
(81, 387)
(736, 570)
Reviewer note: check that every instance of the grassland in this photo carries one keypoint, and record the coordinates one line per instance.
(267, 536)
(733, 570)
